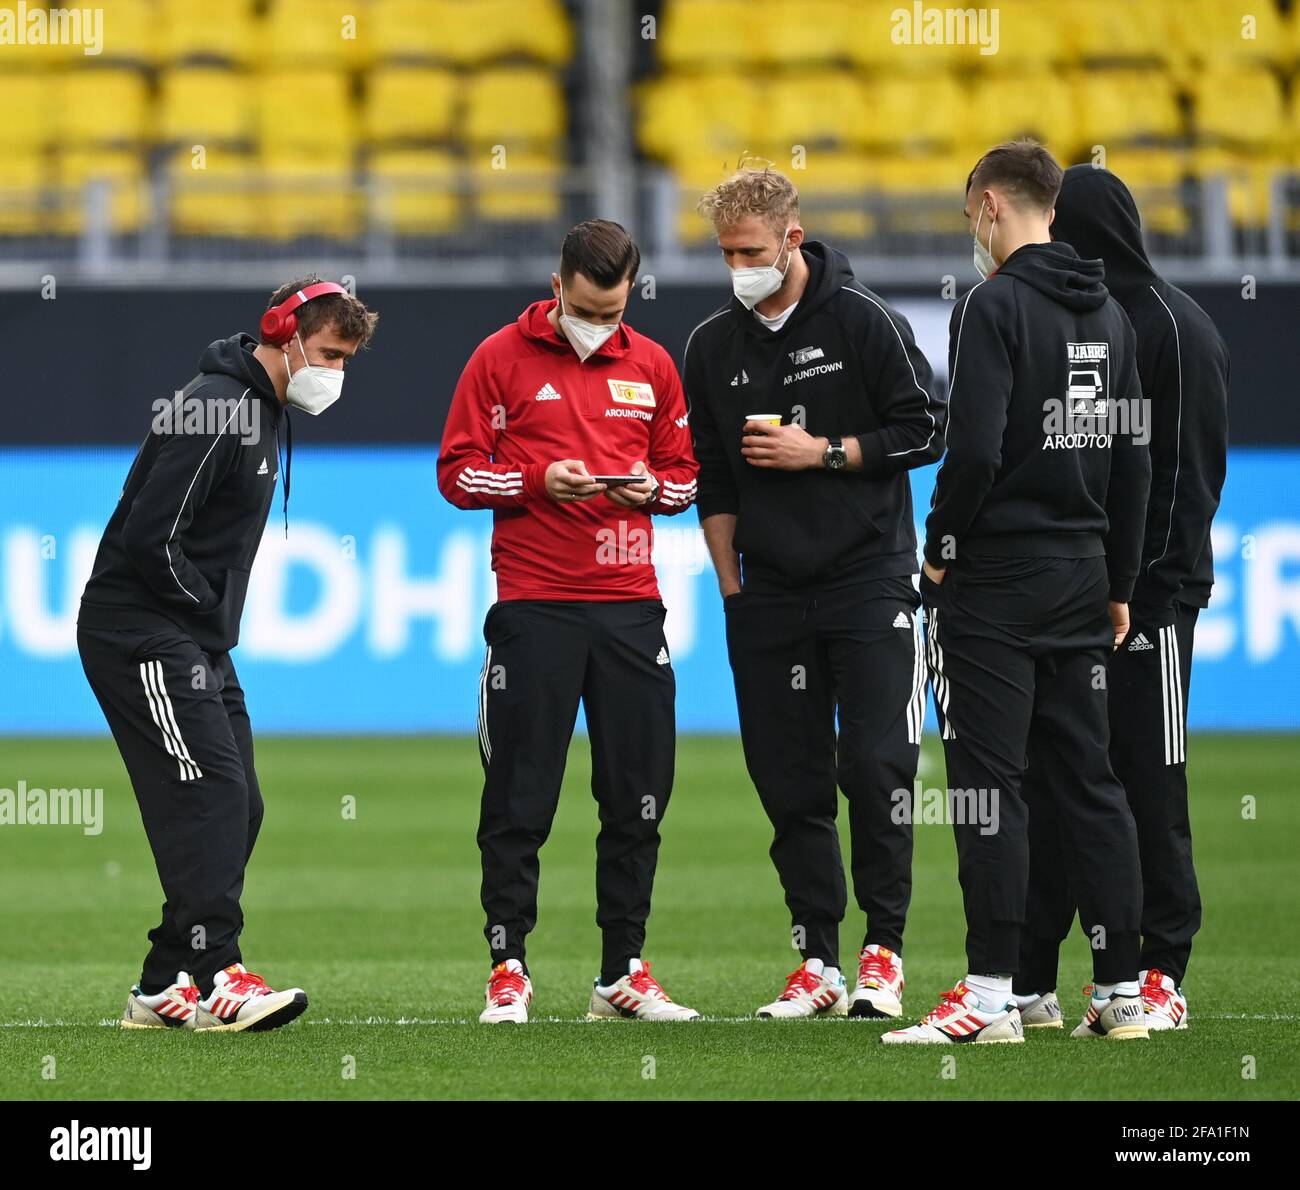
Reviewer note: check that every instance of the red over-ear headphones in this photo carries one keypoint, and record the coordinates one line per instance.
(280, 323)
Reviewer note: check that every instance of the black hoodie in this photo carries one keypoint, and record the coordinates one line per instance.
(1033, 351)
(1183, 364)
(182, 539)
(846, 364)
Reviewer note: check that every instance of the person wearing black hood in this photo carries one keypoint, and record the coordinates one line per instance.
(809, 403)
(1031, 550)
(1184, 366)
(158, 619)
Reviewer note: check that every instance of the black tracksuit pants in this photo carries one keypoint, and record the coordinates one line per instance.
(799, 659)
(1149, 677)
(179, 720)
(542, 657)
(1018, 653)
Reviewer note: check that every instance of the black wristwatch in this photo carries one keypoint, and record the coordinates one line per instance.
(835, 456)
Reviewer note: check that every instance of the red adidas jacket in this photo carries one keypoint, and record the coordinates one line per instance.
(523, 401)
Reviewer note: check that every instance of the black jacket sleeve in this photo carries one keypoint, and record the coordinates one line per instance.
(901, 387)
(185, 470)
(717, 486)
(980, 353)
(1126, 493)
(1189, 457)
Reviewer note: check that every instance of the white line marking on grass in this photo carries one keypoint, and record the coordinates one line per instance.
(405, 1021)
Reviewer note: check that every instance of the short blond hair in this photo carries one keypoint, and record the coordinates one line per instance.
(752, 190)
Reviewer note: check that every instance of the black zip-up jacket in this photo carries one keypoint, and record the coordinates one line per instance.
(1184, 366)
(182, 539)
(847, 365)
(1039, 338)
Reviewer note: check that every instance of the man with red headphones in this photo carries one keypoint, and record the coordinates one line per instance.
(158, 619)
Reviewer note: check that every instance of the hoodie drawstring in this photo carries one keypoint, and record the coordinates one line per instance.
(286, 465)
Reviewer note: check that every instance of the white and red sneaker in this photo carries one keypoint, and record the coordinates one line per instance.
(1041, 1012)
(241, 1000)
(509, 993)
(1116, 1018)
(636, 996)
(172, 1008)
(959, 1018)
(1164, 1004)
(879, 990)
(808, 992)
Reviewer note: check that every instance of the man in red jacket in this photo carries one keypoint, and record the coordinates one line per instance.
(549, 412)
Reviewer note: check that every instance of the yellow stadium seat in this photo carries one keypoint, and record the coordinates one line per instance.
(1031, 37)
(23, 53)
(416, 191)
(926, 193)
(886, 37)
(527, 190)
(303, 111)
(798, 32)
(815, 108)
(513, 104)
(130, 32)
(832, 189)
(487, 30)
(1249, 182)
(204, 105)
(691, 178)
(1240, 106)
(712, 117)
(409, 29)
(315, 33)
(189, 29)
(214, 201)
(307, 196)
(1003, 107)
(1222, 31)
(712, 34)
(914, 110)
(1124, 105)
(27, 101)
(22, 184)
(1154, 176)
(410, 103)
(1111, 30)
(100, 106)
(121, 169)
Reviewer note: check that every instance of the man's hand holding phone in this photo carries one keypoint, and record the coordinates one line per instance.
(567, 481)
(634, 495)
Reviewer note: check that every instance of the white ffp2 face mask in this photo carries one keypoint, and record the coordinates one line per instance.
(586, 338)
(313, 388)
(752, 285)
(984, 262)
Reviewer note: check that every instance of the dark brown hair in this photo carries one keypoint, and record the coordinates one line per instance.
(345, 313)
(601, 251)
(1024, 168)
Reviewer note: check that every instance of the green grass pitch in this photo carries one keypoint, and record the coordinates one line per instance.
(377, 917)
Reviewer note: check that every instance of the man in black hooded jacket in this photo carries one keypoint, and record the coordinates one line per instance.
(809, 403)
(1183, 364)
(158, 619)
(1031, 549)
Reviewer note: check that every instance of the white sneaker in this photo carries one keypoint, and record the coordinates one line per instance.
(172, 1008)
(808, 992)
(959, 1018)
(1117, 1018)
(241, 1000)
(637, 996)
(509, 993)
(879, 990)
(1164, 1003)
(1042, 1012)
